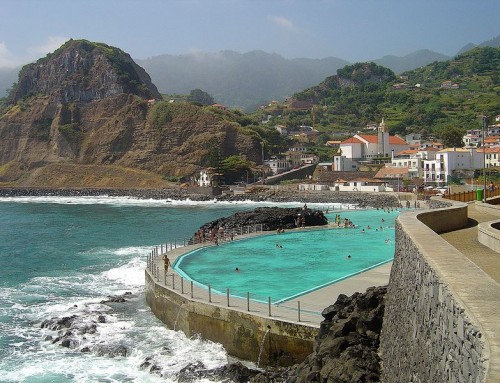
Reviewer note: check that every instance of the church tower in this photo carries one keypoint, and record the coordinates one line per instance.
(383, 139)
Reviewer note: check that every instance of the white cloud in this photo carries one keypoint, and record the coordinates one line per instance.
(49, 45)
(11, 60)
(282, 22)
(7, 59)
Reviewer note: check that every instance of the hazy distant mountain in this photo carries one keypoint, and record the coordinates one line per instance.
(494, 42)
(8, 76)
(244, 80)
(417, 59)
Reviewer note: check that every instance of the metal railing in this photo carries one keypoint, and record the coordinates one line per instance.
(292, 309)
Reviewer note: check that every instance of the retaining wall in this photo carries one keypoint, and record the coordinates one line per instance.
(250, 337)
(441, 320)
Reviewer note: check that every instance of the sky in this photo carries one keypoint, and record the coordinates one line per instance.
(353, 30)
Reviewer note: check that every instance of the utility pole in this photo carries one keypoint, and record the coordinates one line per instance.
(485, 122)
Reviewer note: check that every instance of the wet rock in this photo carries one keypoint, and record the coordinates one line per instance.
(111, 350)
(117, 298)
(234, 372)
(271, 219)
(346, 348)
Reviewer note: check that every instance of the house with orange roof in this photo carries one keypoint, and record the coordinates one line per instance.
(393, 176)
(368, 148)
(492, 156)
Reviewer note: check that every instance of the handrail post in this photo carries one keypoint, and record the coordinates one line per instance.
(248, 301)
(227, 294)
(191, 289)
(298, 309)
(209, 294)
(182, 285)
(269, 305)
(173, 281)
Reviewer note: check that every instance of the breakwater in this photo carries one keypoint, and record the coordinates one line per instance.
(268, 194)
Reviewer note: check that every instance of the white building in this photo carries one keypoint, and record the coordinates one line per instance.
(413, 159)
(207, 177)
(278, 164)
(344, 164)
(360, 184)
(364, 147)
(472, 138)
(449, 161)
(492, 157)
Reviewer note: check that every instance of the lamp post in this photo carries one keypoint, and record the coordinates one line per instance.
(485, 118)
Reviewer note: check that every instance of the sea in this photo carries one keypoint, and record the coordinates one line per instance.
(62, 258)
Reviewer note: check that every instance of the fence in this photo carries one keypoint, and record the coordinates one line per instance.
(468, 196)
(292, 309)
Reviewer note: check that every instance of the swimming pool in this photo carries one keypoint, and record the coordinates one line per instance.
(284, 266)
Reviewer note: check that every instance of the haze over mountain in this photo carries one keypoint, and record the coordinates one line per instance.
(248, 80)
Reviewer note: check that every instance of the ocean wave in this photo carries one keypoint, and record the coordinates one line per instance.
(133, 201)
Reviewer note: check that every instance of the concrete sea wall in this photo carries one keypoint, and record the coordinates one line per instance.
(270, 341)
(441, 310)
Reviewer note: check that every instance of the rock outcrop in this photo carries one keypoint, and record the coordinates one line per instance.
(271, 218)
(90, 104)
(346, 347)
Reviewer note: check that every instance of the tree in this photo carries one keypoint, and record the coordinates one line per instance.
(200, 97)
(452, 137)
(235, 168)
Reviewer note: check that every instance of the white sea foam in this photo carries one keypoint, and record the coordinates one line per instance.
(132, 201)
(130, 274)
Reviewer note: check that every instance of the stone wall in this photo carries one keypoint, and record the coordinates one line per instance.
(440, 322)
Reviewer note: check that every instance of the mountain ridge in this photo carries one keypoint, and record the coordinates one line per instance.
(236, 88)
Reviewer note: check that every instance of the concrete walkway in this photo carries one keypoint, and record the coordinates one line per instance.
(466, 242)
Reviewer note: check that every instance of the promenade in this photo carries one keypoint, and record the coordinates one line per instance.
(466, 242)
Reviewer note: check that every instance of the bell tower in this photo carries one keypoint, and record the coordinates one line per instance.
(383, 139)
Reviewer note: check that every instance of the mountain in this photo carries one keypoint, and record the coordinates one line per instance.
(430, 99)
(238, 80)
(494, 43)
(399, 64)
(248, 80)
(87, 108)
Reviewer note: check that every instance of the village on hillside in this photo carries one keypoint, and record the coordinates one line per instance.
(372, 160)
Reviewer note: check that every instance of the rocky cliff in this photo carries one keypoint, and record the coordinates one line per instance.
(90, 104)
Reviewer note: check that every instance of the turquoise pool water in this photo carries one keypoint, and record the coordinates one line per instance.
(284, 266)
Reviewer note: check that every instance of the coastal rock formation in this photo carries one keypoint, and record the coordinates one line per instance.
(89, 104)
(346, 347)
(271, 218)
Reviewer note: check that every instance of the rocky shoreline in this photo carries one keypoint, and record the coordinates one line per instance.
(376, 200)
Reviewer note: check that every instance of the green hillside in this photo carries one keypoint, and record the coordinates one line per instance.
(416, 101)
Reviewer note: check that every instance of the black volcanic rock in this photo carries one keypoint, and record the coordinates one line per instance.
(271, 218)
(346, 347)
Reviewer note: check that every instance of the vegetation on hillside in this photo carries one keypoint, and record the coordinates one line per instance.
(365, 93)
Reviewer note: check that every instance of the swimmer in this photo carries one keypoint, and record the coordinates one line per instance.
(349, 256)
(237, 270)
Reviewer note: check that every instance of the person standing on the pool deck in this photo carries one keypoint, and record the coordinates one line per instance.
(166, 263)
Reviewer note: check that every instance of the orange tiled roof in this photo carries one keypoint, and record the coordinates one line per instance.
(372, 139)
(392, 172)
(352, 140)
